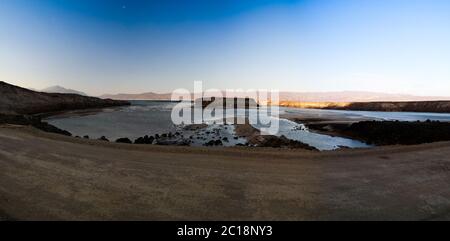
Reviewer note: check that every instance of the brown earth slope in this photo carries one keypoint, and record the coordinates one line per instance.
(17, 100)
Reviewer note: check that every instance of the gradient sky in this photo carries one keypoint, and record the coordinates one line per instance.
(111, 46)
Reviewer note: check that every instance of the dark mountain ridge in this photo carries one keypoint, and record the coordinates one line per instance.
(16, 100)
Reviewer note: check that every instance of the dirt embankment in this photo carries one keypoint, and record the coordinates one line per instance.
(20, 101)
(52, 177)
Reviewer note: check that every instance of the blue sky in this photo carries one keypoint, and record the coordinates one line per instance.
(111, 46)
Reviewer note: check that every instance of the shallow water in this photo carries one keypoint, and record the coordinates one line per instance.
(295, 131)
(139, 119)
(154, 117)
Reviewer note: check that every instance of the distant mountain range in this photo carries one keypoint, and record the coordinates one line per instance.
(143, 96)
(354, 96)
(341, 96)
(62, 90)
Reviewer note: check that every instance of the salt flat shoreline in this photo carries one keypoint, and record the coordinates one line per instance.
(441, 106)
(45, 176)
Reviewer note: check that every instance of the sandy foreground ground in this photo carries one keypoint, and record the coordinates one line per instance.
(50, 177)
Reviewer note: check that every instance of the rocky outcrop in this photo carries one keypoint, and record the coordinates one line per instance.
(255, 138)
(278, 142)
(388, 132)
(21, 101)
(144, 140)
(124, 140)
(396, 132)
(246, 130)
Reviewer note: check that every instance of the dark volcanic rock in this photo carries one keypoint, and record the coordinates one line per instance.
(124, 140)
(214, 143)
(172, 142)
(144, 140)
(278, 142)
(195, 127)
(103, 138)
(388, 132)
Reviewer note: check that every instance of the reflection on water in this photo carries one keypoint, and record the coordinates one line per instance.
(139, 119)
(154, 117)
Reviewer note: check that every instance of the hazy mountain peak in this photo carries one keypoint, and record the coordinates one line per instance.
(60, 89)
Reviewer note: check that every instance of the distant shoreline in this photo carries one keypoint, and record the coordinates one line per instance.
(383, 106)
(173, 101)
(402, 106)
(441, 106)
